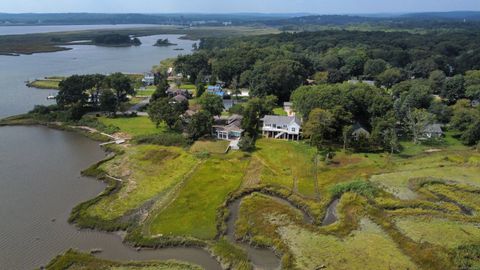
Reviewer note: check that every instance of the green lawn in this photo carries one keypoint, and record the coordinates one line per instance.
(213, 147)
(188, 87)
(147, 172)
(285, 162)
(194, 211)
(133, 126)
(279, 111)
(47, 83)
(149, 90)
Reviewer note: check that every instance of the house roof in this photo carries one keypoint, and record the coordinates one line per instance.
(433, 128)
(281, 120)
(179, 98)
(229, 124)
(214, 88)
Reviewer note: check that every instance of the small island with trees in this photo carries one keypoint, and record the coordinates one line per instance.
(116, 40)
(164, 43)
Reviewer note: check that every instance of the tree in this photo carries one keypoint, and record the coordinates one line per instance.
(437, 80)
(247, 143)
(472, 84)
(161, 90)
(374, 67)
(211, 103)
(417, 120)
(162, 110)
(96, 83)
(277, 78)
(72, 91)
(200, 124)
(454, 89)
(122, 86)
(254, 110)
(200, 90)
(390, 77)
(76, 111)
(319, 128)
(108, 101)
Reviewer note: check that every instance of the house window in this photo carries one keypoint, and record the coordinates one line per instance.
(274, 125)
(293, 130)
(284, 126)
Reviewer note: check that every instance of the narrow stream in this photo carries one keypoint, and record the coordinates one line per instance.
(331, 216)
(261, 258)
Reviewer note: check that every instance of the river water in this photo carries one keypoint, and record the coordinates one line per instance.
(40, 179)
(16, 97)
(25, 29)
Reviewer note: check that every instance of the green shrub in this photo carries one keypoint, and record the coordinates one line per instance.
(94, 123)
(166, 139)
(358, 186)
(467, 257)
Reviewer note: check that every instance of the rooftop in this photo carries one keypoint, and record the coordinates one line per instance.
(281, 120)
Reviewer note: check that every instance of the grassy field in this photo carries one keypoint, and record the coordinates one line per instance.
(194, 210)
(213, 147)
(149, 90)
(133, 126)
(73, 260)
(442, 232)
(288, 164)
(46, 83)
(366, 248)
(421, 204)
(148, 173)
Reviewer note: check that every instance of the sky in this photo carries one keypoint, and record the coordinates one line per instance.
(234, 6)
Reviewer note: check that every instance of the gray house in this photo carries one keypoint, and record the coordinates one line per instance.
(432, 131)
(228, 128)
(282, 127)
(359, 131)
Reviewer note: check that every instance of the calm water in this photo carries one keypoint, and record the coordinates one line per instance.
(40, 168)
(16, 98)
(40, 183)
(20, 30)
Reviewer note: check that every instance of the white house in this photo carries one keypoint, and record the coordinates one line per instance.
(148, 79)
(282, 127)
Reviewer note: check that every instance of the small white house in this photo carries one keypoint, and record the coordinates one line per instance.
(148, 79)
(282, 127)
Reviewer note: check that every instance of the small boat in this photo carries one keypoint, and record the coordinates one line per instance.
(96, 250)
(51, 97)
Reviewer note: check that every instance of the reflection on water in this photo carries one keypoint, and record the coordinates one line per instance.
(40, 183)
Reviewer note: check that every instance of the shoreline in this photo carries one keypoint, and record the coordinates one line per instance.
(134, 237)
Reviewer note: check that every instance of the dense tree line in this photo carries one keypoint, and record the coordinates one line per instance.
(263, 62)
(116, 39)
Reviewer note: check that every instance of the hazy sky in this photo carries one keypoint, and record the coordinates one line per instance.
(222, 6)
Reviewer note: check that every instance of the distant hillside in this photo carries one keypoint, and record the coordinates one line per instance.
(169, 19)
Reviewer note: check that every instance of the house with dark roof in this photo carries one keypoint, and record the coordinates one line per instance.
(282, 127)
(432, 131)
(179, 99)
(358, 132)
(228, 128)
